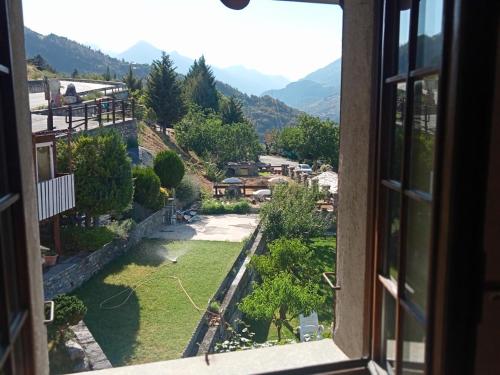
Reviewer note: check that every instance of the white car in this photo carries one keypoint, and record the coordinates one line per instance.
(306, 168)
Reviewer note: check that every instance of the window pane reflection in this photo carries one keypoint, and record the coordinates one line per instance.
(389, 330)
(397, 133)
(429, 41)
(404, 35)
(423, 133)
(417, 252)
(393, 227)
(413, 354)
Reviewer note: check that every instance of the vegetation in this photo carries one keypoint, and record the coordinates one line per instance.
(41, 64)
(188, 189)
(292, 213)
(68, 311)
(103, 174)
(207, 135)
(217, 207)
(311, 139)
(170, 168)
(133, 83)
(75, 239)
(199, 86)
(231, 112)
(163, 92)
(146, 187)
(157, 320)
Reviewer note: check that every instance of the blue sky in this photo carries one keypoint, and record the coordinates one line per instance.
(274, 37)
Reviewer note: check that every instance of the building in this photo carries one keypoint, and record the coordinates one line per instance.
(55, 191)
(418, 173)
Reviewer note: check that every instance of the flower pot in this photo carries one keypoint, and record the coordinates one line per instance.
(50, 260)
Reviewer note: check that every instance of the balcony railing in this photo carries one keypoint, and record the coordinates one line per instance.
(55, 196)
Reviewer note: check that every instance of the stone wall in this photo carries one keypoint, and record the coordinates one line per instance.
(36, 86)
(235, 286)
(72, 273)
(127, 129)
(95, 359)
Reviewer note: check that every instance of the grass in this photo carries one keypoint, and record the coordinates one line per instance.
(265, 174)
(325, 251)
(217, 207)
(157, 321)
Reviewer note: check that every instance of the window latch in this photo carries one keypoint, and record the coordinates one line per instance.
(326, 276)
(49, 305)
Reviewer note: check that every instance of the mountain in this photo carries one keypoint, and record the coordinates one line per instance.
(318, 93)
(247, 80)
(65, 55)
(265, 112)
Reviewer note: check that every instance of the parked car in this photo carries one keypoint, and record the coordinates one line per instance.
(306, 168)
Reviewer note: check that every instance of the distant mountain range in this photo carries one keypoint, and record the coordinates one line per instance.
(66, 55)
(318, 93)
(247, 80)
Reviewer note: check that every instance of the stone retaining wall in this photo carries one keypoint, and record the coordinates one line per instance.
(96, 358)
(72, 273)
(236, 285)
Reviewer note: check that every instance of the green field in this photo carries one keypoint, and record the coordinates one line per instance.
(157, 320)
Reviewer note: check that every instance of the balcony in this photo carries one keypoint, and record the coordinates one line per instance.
(55, 196)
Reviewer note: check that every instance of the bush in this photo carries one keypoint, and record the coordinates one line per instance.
(146, 187)
(214, 307)
(216, 207)
(170, 168)
(212, 172)
(188, 190)
(68, 311)
(75, 239)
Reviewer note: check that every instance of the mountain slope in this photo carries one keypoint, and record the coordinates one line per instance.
(265, 112)
(317, 93)
(247, 80)
(65, 55)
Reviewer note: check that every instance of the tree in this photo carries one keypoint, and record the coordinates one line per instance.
(146, 187)
(290, 255)
(169, 168)
(103, 174)
(280, 298)
(292, 213)
(163, 93)
(107, 76)
(199, 86)
(132, 82)
(231, 111)
(74, 74)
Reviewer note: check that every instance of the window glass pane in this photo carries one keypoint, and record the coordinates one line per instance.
(413, 351)
(404, 35)
(44, 163)
(392, 242)
(429, 41)
(397, 133)
(423, 133)
(417, 252)
(388, 329)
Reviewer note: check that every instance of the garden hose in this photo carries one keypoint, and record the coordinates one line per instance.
(131, 290)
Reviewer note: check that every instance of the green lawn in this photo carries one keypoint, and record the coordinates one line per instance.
(157, 321)
(325, 251)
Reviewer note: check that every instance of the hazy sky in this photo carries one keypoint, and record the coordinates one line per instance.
(274, 37)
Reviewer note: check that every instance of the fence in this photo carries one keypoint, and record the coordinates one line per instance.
(55, 196)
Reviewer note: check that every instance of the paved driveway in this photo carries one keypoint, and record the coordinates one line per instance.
(277, 160)
(232, 228)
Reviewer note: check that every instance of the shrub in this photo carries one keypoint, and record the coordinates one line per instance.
(76, 239)
(212, 172)
(216, 207)
(68, 311)
(162, 198)
(170, 168)
(214, 307)
(146, 187)
(188, 190)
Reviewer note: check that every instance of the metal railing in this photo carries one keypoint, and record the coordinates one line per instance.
(55, 196)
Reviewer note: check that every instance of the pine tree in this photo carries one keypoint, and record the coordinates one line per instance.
(163, 93)
(199, 86)
(132, 83)
(231, 111)
(107, 76)
(74, 74)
